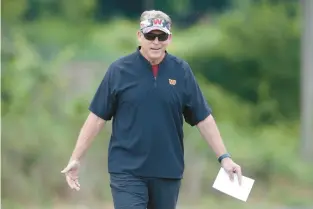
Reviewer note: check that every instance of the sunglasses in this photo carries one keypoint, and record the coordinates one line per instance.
(152, 36)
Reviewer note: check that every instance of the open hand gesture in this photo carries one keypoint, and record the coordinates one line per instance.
(71, 174)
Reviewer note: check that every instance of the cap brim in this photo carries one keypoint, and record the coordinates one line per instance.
(149, 29)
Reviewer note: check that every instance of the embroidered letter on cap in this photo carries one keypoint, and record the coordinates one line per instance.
(157, 21)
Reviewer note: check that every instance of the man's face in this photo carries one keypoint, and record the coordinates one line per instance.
(154, 43)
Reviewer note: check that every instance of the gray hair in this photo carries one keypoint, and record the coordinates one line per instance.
(155, 14)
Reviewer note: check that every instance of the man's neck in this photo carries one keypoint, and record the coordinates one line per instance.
(153, 62)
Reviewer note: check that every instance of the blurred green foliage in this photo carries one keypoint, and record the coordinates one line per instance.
(256, 58)
(246, 62)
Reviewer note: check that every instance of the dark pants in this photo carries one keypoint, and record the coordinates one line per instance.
(130, 192)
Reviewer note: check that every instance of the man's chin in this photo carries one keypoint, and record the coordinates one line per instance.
(156, 54)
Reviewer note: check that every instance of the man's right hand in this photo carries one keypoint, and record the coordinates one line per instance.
(71, 174)
(89, 131)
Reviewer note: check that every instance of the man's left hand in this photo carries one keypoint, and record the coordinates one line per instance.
(231, 168)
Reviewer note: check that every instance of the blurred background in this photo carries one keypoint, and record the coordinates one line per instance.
(252, 59)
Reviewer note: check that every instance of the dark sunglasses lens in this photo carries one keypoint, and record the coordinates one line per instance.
(163, 37)
(152, 36)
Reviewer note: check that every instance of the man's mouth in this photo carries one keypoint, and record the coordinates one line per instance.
(155, 49)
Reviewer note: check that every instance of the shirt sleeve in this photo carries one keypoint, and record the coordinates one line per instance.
(196, 108)
(104, 102)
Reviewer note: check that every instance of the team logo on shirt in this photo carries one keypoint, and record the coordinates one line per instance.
(172, 82)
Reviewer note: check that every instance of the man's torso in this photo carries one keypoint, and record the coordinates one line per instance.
(148, 114)
(147, 135)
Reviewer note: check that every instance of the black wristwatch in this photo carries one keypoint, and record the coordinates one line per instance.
(226, 155)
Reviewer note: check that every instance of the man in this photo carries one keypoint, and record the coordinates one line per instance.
(149, 94)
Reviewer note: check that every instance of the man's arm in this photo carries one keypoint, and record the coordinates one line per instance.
(102, 109)
(197, 112)
(88, 132)
(91, 128)
(211, 134)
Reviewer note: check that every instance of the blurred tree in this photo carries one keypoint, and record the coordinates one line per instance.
(80, 10)
(13, 10)
(307, 81)
(252, 53)
(77, 10)
(257, 59)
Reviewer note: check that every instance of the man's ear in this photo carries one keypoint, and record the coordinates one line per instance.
(138, 34)
(169, 38)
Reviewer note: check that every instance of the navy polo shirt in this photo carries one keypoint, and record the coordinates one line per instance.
(148, 114)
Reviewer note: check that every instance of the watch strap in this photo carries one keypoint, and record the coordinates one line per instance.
(226, 155)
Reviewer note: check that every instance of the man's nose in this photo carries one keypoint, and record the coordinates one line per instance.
(156, 40)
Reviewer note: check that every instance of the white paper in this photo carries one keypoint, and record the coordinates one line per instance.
(225, 185)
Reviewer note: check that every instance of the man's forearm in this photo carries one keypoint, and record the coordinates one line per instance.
(88, 132)
(211, 134)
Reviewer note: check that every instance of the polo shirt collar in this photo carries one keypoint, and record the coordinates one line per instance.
(142, 58)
